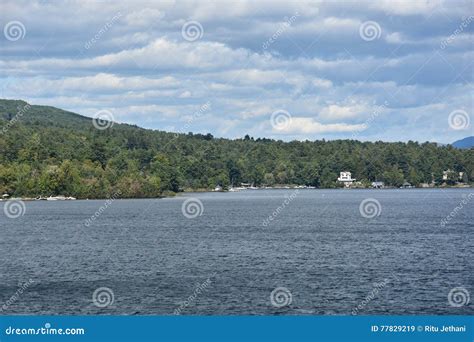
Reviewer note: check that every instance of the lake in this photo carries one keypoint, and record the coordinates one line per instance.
(277, 252)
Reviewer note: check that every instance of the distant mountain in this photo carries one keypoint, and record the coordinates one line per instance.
(464, 143)
(46, 116)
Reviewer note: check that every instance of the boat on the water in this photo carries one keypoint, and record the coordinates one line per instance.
(60, 198)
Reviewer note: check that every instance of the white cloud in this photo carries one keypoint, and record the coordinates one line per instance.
(336, 112)
(394, 38)
(403, 7)
(322, 83)
(159, 54)
(185, 94)
(303, 125)
(144, 17)
(254, 110)
(101, 82)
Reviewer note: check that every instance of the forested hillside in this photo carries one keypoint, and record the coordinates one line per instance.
(47, 151)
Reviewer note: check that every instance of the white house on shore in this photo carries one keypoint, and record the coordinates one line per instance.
(449, 172)
(345, 177)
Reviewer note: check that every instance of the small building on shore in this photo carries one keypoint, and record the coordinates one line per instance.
(345, 177)
(447, 173)
(378, 185)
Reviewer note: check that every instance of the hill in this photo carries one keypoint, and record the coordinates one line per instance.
(464, 143)
(48, 151)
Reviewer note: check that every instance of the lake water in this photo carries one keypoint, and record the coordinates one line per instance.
(319, 254)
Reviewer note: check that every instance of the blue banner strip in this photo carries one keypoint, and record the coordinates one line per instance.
(237, 328)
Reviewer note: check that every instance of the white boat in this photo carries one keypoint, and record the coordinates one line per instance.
(232, 189)
(56, 198)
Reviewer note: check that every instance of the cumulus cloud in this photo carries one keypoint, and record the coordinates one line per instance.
(303, 125)
(337, 112)
(255, 57)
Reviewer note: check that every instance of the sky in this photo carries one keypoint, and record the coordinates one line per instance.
(367, 70)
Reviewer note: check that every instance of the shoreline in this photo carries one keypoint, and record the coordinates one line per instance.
(29, 199)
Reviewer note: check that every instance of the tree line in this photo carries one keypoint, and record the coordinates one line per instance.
(50, 152)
